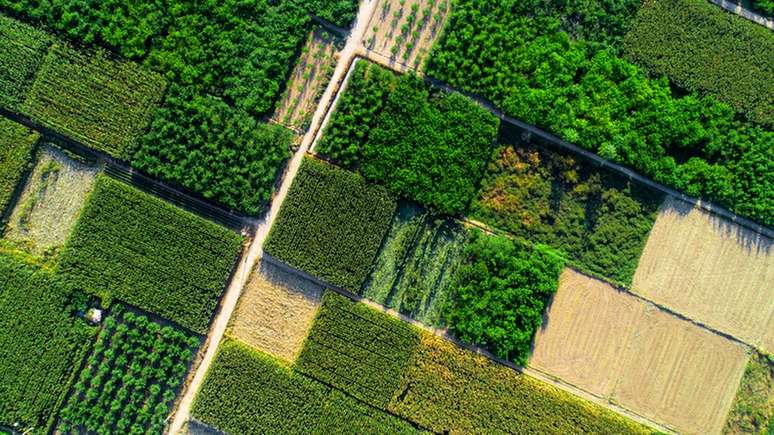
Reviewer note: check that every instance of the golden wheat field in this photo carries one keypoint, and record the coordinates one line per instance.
(619, 347)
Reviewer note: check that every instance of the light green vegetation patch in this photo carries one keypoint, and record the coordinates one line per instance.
(50, 203)
(416, 264)
(753, 409)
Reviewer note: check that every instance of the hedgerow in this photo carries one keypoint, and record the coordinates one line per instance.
(703, 48)
(331, 224)
(137, 248)
(451, 390)
(599, 220)
(22, 48)
(41, 344)
(105, 103)
(500, 293)
(129, 382)
(16, 149)
(357, 350)
(591, 97)
(246, 391)
(422, 143)
(248, 154)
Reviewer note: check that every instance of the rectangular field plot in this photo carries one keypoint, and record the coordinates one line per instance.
(16, 152)
(275, 311)
(618, 347)
(50, 203)
(90, 97)
(22, 49)
(711, 271)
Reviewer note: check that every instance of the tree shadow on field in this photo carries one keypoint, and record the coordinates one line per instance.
(294, 283)
(751, 240)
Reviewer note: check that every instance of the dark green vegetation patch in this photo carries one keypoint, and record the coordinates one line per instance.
(22, 49)
(500, 293)
(599, 220)
(420, 142)
(331, 224)
(136, 248)
(129, 382)
(41, 344)
(16, 149)
(704, 48)
(357, 349)
(586, 94)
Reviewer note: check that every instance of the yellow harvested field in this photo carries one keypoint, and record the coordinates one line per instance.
(711, 271)
(406, 33)
(275, 311)
(649, 361)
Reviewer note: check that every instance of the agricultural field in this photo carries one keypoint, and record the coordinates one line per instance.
(423, 143)
(703, 48)
(307, 83)
(598, 219)
(42, 344)
(130, 246)
(631, 353)
(727, 286)
(418, 259)
(130, 379)
(753, 410)
(405, 31)
(331, 224)
(17, 145)
(50, 203)
(275, 311)
(23, 50)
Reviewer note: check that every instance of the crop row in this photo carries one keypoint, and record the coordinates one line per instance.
(23, 49)
(331, 224)
(136, 248)
(16, 149)
(703, 48)
(130, 379)
(588, 95)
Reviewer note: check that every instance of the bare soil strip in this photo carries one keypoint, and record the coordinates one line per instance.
(711, 271)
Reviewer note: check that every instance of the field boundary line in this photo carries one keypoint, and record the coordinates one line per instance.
(738, 9)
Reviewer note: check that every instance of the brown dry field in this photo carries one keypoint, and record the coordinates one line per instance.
(275, 311)
(386, 36)
(711, 271)
(311, 75)
(649, 361)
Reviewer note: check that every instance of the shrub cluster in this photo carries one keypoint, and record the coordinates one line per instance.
(137, 248)
(16, 149)
(129, 382)
(500, 293)
(41, 345)
(703, 48)
(422, 143)
(22, 49)
(591, 97)
(357, 350)
(331, 224)
(88, 96)
(598, 219)
(766, 7)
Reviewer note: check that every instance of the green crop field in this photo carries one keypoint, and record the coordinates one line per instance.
(17, 144)
(41, 344)
(130, 378)
(22, 49)
(138, 249)
(331, 224)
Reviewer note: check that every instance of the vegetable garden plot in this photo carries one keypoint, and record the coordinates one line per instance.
(416, 264)
(703, 48)
(16, 150)
(331, 224)
(136, 248)
(358, 350)
(22, 49)
(105, 103)
(41, 344)
(598, 219)
(50, 203)
(131, 377)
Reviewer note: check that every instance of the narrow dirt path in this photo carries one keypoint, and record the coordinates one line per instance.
(254, 251)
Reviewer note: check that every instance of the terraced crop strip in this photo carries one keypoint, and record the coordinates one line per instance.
(130, 379)
(141, 250)
(357, 350)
